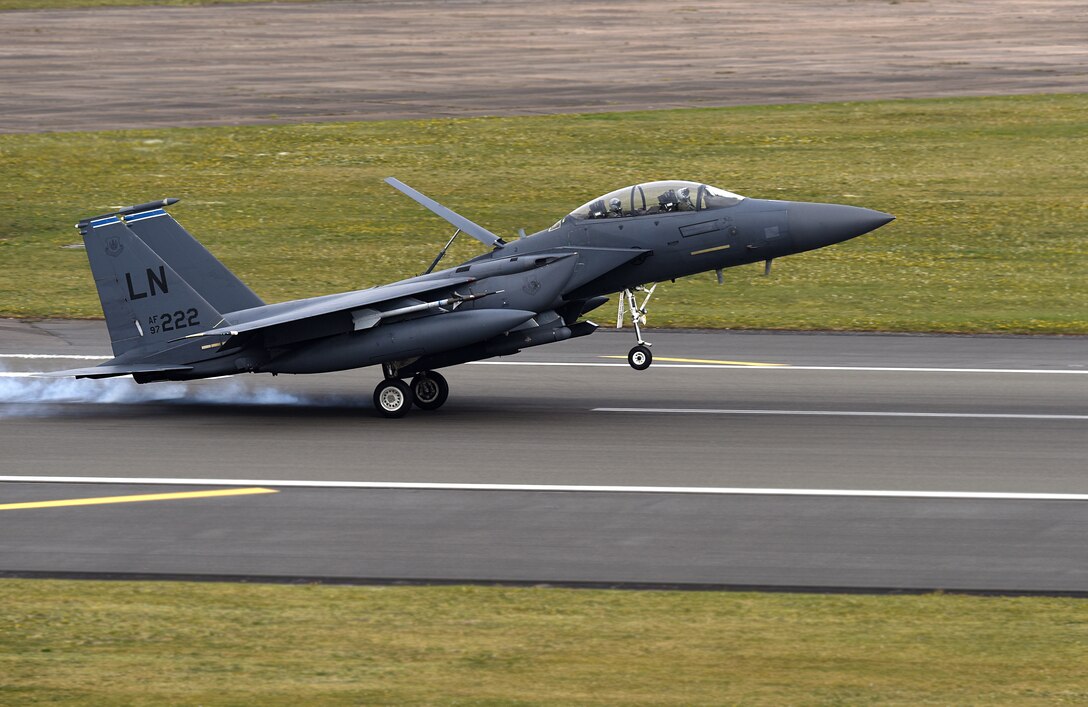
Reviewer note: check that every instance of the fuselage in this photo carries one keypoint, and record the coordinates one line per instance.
(682, 243)
(524, 293)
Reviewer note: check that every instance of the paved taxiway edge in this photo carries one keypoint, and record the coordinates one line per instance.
(624, 586)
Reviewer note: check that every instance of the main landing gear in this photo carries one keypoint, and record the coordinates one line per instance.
(392, 398)
(427, 391)
(639, 357)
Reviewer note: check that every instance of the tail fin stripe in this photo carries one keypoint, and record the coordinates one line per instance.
(146, 214)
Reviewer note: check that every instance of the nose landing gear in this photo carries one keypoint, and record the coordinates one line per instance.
(639, 357)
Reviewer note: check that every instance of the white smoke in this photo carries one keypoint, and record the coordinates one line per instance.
(22, 394)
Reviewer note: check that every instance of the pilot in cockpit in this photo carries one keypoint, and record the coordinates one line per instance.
(615, 207)
(683, 199)
(667, 201)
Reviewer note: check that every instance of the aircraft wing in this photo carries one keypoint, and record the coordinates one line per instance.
(475, 230)
(109, 370)
(290, 312)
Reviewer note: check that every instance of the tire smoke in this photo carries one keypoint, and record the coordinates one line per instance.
(23, 395)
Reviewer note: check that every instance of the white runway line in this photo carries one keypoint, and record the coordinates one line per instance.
(846, 413)
(57, 356)
(704, 366)
(551, 488)
(787, 367)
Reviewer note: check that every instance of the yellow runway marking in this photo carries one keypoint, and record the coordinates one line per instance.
(181, 495)
(711, 361)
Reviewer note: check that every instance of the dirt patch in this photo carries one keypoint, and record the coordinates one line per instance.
(222, 65)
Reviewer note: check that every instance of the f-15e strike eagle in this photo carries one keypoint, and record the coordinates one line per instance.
(174, 312)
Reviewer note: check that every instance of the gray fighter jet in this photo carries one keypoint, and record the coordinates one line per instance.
(174, 312)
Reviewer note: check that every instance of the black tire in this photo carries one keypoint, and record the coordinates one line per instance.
(392, 398)
(429, 390)
(640, 358)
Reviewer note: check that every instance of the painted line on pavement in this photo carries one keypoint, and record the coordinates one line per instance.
(549, 488)
(668, 363)
(60, 356)
(784, 367)
(667, 359)
(847, 413)
(177, 496)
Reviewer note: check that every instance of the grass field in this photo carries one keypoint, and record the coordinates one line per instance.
(991, 196)
(64, 642)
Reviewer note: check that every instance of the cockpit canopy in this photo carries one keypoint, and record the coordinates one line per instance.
(656, 198)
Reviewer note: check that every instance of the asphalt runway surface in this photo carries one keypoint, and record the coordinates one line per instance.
(110, 68)
(839, 462)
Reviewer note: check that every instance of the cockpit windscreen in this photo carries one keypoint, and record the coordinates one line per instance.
(655, 198)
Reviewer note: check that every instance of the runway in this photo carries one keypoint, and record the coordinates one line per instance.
(796, 460)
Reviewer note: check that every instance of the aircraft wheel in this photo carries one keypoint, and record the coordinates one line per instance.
(392, 398)
(429, 390)
(640, 358)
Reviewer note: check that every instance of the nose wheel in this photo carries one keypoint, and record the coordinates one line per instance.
(639, 357)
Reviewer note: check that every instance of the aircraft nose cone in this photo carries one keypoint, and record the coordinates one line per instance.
(818, 225)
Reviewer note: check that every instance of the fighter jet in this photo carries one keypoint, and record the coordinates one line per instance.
(175, 313)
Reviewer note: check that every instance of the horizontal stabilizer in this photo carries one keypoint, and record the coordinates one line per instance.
(475, 230)
(108, 370)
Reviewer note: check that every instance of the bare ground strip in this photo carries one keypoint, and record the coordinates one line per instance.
(243, 64)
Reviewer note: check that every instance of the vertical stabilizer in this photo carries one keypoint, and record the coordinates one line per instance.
(192, 261)
(146, 301)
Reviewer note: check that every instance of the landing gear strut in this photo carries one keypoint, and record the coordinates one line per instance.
(639, 357)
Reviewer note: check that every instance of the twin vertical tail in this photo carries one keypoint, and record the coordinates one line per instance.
(155, 281)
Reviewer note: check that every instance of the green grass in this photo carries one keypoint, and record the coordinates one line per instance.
(64, 642)
(990, 195)
(72, 4)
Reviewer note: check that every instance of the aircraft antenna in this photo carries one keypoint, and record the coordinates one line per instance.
(442, 253)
